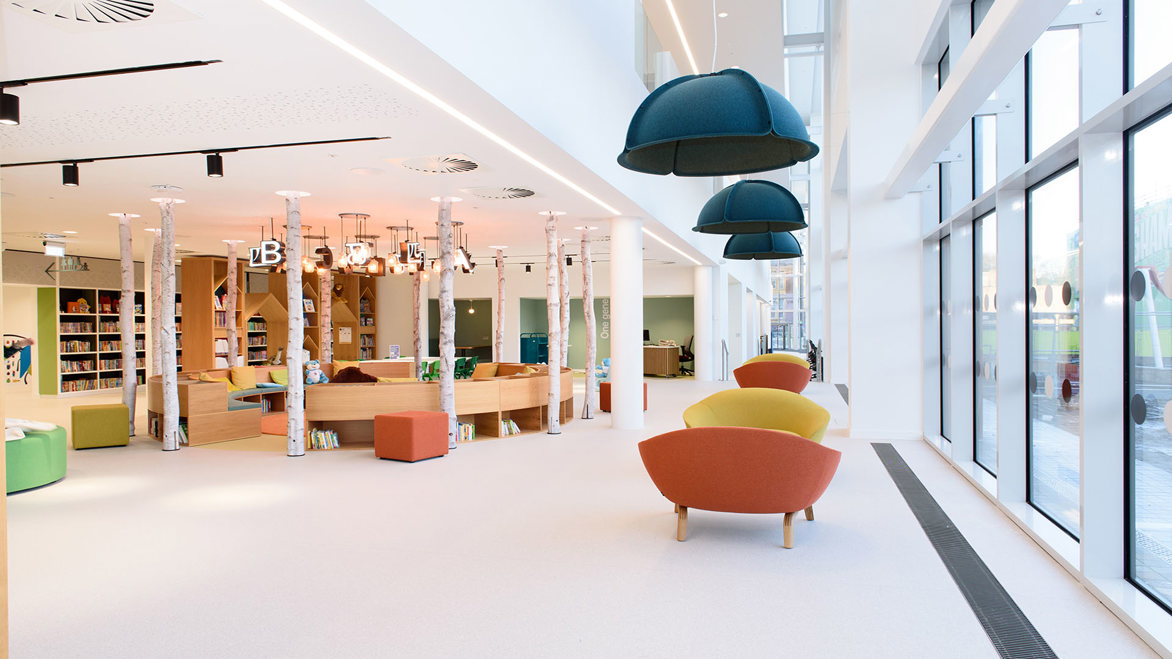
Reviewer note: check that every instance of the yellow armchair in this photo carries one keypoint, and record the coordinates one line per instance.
(779, 357)
(774, 409)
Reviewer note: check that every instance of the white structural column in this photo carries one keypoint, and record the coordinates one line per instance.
(704, 344)
(564, 302)
(169, 363)
(447, 324)
(416, 327)
(230, 305)
(588, 401)
(326, 315)
(1010, 375)
(295, 390)
(126, 316)
(554, 319)
(498, 350)
(626, 312)
(157, 302)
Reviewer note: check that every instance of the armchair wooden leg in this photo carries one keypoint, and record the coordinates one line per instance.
(677, 509)
(681, 523)
(810, 514)
(789, 530)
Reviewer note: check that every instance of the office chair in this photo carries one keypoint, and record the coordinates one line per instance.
(687, 356)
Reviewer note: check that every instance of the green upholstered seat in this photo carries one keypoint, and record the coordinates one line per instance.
(232, 395)
(242, 405)
(100, 425)
(36, 460)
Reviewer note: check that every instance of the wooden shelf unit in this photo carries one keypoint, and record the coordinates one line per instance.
(346, 291)
(82, 349)
(366, 320)
(204, 279)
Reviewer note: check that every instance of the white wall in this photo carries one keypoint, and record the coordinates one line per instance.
(20, 317)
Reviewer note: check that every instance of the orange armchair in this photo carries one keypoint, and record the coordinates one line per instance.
(739, 470)
(773, 375)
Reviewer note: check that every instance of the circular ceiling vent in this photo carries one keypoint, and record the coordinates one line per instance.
(91, 11)
(454, 164)
(499, 193)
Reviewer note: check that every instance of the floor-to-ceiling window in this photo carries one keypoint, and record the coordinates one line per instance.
(1151, 49)
(985, 341)
(945, 340)
(1149, 404)
(1053, 72)
(1052, 209)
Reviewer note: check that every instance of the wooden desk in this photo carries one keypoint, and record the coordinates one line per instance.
(661, 360)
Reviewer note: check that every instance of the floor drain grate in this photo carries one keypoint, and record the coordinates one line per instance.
(1012, 634)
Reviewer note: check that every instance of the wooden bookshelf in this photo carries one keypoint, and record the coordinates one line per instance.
(79, 335)
(346, 294)
(205, 323)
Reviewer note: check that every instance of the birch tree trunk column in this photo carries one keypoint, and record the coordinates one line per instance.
(416, 330)
(564, 298)
(295, 392)
(553, 317)
(230, 306)
(588, 314)
(170, 430)
(326, 317)
(157, 304)
(498, 350)
(126, 317)
(447, 310)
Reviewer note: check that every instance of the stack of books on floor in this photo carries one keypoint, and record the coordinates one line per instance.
(323, 439)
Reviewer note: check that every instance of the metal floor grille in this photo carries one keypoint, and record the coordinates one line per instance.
(1012, 634)
(844, 392)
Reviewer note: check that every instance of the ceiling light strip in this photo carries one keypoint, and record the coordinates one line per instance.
(365, 58)
(670, 246)
(675, 18)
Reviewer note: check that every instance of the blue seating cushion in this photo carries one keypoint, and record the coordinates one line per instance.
(234, 405)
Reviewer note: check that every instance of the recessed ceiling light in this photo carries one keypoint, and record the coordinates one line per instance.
(723, 14)
(498, 246)
(69, 232)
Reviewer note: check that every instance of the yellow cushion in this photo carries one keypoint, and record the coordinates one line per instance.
(280, 376)
(243, 376)
(774, 409)
(397, 380)
(341, 364)
(529, 370)
(486, 370)
(204, 377)
(779, 357)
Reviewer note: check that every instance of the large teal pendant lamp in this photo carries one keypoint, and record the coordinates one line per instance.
(751, 207)
(762, 246)
(717, 124)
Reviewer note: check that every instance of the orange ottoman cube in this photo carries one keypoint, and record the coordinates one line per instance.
(410, 436)
(604, 396)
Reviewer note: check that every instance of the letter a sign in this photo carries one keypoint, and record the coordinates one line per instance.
(269, 253)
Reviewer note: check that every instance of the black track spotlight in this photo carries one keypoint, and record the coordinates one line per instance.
(215, 165)
(569, 260)
(69, 174)
(9, 109)
(528, 268)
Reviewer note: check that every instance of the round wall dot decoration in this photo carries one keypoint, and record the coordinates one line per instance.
(1049, 295)
(1033, 383)
(986, 302)
(1033, 297)
(1138, 285)
(1067, 391)
(1049, 386)
(986, 370)
(1067, 293)
(994, 302)
(1139, 409)
(994, 372)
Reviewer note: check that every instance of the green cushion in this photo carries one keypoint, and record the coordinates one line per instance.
(241, 405)
(36, 460)
(100, 425)
(232, 395)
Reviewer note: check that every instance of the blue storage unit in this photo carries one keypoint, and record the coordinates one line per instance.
(534, 348)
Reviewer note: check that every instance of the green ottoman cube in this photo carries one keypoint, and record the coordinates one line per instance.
(100, 425)
(36, 460)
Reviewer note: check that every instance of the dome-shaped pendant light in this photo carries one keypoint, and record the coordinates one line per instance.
(718, 124)
(763, 246)
(751, 207)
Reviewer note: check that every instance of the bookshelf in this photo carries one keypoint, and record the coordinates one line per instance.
(80, 341)
(366, 322)
(205, 322)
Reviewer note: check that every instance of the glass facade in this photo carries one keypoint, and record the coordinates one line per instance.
(945, 338)
(1053, 88)
(1151, 49)
(985, 341)
(1053, 348)
(1149, 401)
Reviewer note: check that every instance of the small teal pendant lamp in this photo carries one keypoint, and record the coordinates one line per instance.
(751, 207)
(763, 246)
(717, 124)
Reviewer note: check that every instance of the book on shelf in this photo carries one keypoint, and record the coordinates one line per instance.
(77, 328)
(76, 346)
(509, 427)
(465, 432)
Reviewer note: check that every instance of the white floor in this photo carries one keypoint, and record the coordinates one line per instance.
(531, 546)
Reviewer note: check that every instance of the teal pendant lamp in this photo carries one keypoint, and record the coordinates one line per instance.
(763, 246)
(751, 207)
(718, 124)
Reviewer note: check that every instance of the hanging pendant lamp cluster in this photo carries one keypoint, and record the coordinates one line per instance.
(727, 123)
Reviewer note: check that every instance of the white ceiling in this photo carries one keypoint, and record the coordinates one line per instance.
(276, 83)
